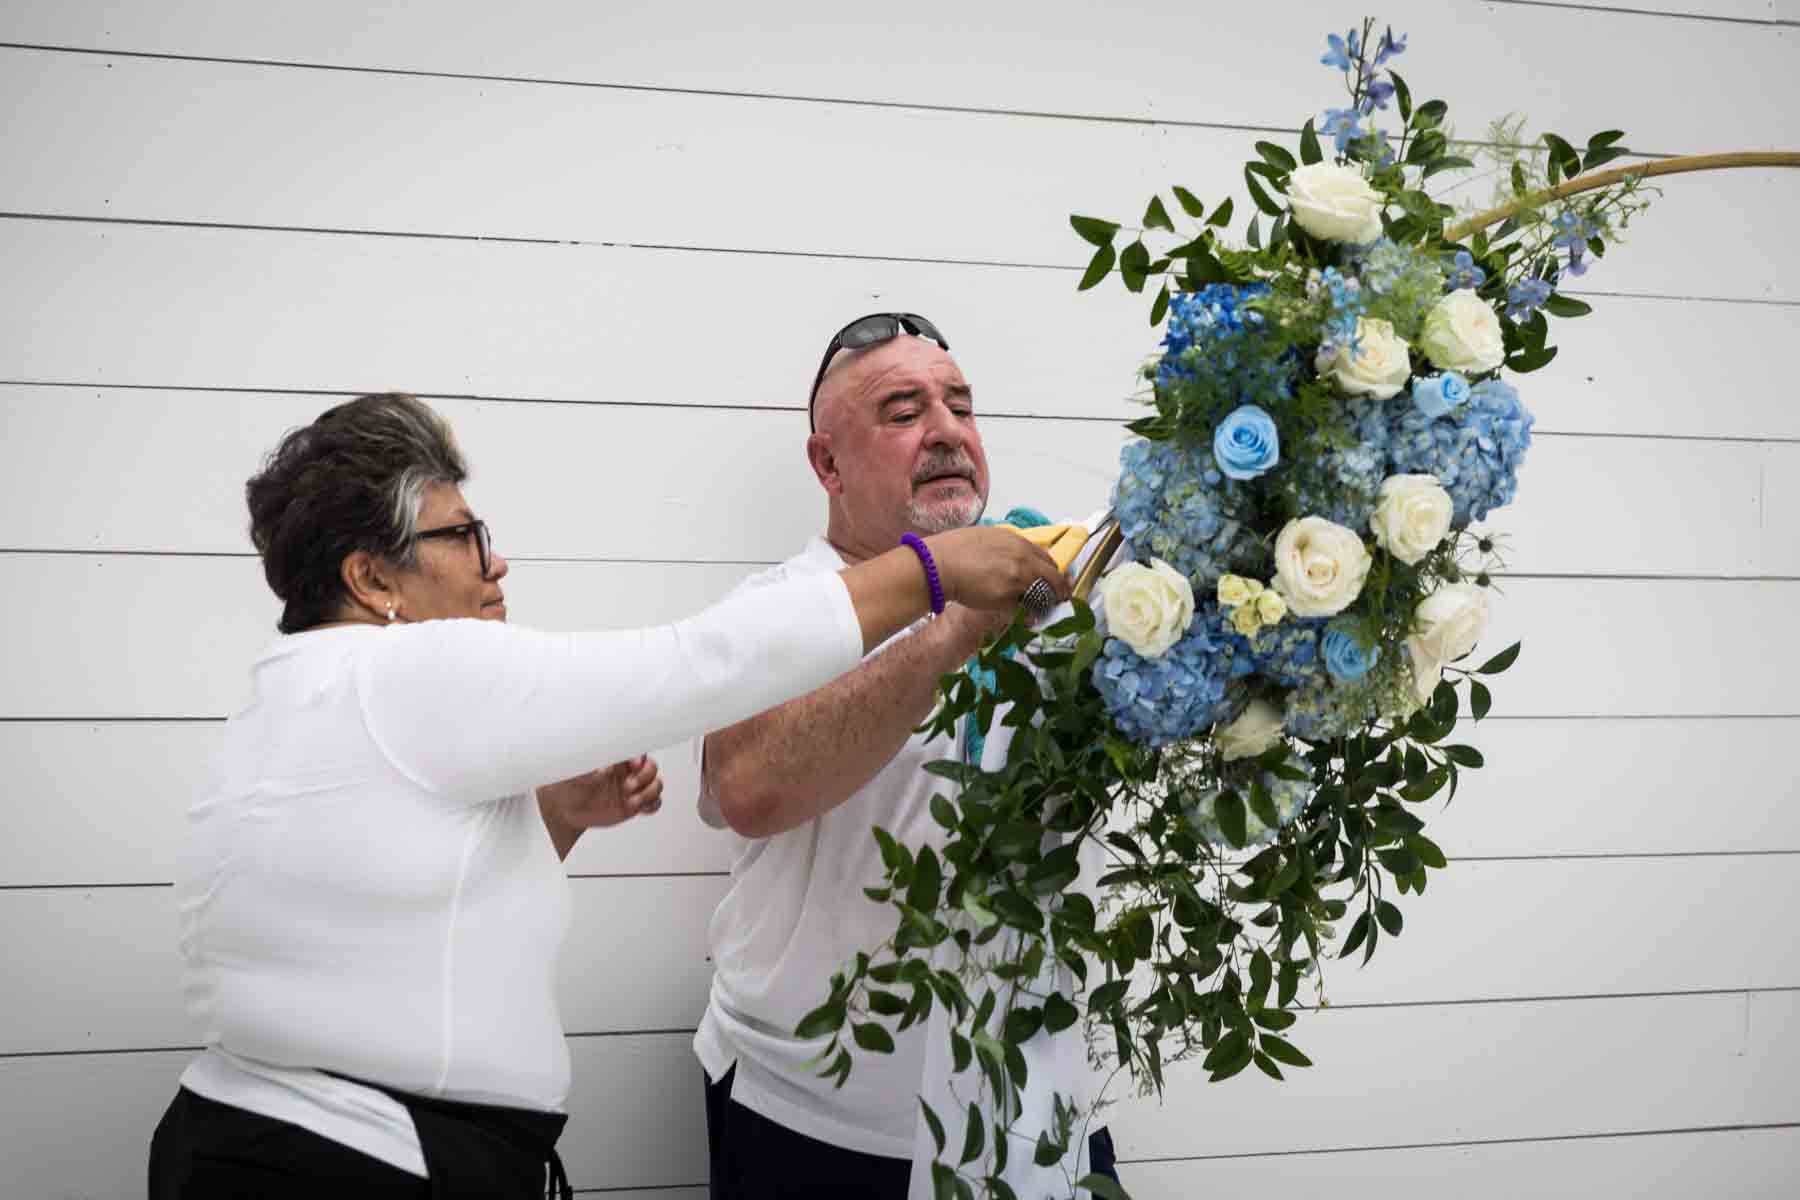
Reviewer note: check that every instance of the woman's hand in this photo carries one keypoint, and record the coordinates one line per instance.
(599, 798)
(987, 568)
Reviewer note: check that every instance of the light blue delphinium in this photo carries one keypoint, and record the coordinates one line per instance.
(1159, 701)
(1174, 503)
(1347, 659)
(1247, 443)
(1526, 297)
(1463, 272)
(1344, 125)
(1475, 451)
(1439, 395)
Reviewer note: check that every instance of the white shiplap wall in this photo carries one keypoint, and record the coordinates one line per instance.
(607, 240)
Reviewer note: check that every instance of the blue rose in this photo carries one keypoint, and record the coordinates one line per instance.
(1345, 657)
(1246, 443)
(1437, 395)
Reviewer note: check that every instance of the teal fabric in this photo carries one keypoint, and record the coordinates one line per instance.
(973, 741)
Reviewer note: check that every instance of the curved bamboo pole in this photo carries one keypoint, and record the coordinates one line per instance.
(1600, 179)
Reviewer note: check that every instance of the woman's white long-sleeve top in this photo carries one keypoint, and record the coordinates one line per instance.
(369, 889)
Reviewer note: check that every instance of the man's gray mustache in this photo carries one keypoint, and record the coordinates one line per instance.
(952, 464)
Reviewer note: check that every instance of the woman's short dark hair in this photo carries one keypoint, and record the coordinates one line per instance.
(352, 480)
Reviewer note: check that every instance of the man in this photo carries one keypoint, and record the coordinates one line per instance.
(896, 448)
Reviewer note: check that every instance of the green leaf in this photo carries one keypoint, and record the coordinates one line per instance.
(873, 1037)
(1157, 217)
(1158, 310)
(1464, 756)
(1480, 699)
(936, 1126)
(1500, 661)
(1017, 840)
(1389, 916)
(1428, 851)
(1022, 1024)
(1559, 305)
(1097, 267)
(1259, 196)
(1263, 805)
(1276, 157)
(978, 912)
(974, 1136)
(1059, 1014)
(825, 1019)
(1519, 185)
(943, 1182)
(1532, 360)
(885, 1004)
(1102, 1186)
(1309, 142)
(1594, 158)
(1563, 155)
(1267, 1066)
(1284, 1052)
(1094, 230)
(1402, 96)
(1253, 236)
(1428, 115)
(1358, 932)
(1229, 809)
(1134, 266)
(1108, 994)
(927, 879)
(1221, 215)
(1190, 203)
(1047, 1151)
(942, 811)
(1273, 1018)
(893, 856)
(1604, 138)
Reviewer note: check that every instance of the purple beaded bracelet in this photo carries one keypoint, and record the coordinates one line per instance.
(917, 544)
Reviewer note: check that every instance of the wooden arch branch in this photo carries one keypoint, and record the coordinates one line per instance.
(1600, 179)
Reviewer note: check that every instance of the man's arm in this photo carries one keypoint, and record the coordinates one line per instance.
(795, 762)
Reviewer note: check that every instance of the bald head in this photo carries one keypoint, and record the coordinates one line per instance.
(896, 446)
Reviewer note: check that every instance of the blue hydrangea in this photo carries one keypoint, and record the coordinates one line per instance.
(1159, 701)
(1286, 653)
(1475, 451)
(1320, 710)
(1202, 327)
(1405, 283)
(1290, 797)
(1343, 485)
(1174, 503)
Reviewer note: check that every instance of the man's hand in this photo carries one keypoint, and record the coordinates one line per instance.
(599, 798)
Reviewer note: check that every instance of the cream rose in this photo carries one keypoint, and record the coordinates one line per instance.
(1319, 567)
(1412, 516)
(1148, 607)
(1449, 622)
(1256, 729)
(1462, 334)
(1335, 203)
(1270, 607)
(1426, 671)
(1379, 368)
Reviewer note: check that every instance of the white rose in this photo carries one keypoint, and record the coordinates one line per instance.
(1148, 607)
(1257, 728)
(1335, 203)
(1379, 368)
(1462, 334)
(1427, 671)
(1449, 622)
(1412, 516)
(1319, 567)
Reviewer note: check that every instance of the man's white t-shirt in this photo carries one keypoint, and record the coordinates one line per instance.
(795, 914)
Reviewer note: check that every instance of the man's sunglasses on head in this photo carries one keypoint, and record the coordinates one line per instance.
(864, 332)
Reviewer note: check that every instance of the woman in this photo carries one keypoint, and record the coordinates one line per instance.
(372, 902)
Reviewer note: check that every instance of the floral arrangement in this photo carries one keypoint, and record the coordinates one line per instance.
(1252, 714)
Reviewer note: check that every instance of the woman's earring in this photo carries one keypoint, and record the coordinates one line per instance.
(390, 612)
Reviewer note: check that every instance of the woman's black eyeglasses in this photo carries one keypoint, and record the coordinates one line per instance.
(484, 545)
(864, 332)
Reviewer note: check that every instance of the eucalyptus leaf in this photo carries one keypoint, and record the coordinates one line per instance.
(1098, 267)
(1157, 217)
(1190, 203)
(1094, 230)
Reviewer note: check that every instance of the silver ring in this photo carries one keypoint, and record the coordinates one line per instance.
(1039, 599)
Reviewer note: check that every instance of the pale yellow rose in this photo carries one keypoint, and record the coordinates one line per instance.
(1271, 607)
(1245, 620)
(1233, 590)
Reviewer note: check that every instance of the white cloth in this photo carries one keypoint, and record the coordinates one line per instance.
(368, 886)
(1056, 1064)
(795, 914)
